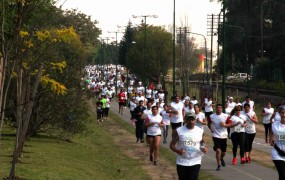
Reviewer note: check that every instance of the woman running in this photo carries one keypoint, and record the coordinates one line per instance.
(153, 123)
(200, 117)
(166, 120)
(238, 122)
(267, 112)
(250, 130)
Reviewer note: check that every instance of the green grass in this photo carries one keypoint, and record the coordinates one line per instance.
(93, 156)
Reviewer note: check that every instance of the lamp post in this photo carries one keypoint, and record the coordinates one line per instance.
(205, 42)
(173, 51)
(144, 52)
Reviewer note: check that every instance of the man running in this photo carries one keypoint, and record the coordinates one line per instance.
(218, 127)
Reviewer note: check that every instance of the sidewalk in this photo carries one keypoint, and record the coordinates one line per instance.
(238, 172)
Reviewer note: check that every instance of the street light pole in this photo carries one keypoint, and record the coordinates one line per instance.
(224, 58)
(144, 51)
(173, 51)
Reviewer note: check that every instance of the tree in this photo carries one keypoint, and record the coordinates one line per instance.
(158, 52)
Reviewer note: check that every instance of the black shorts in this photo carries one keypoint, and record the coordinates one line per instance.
(121, 103)
(208, 114)
(220, 144)
(176, 125)
(152, 135)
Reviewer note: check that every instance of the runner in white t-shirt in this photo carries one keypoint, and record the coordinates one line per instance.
(177, 113)
(218, 127)
(278, 152)
(166, 120)
(267, 112)
(250, 131)
(200, 117)
(153, 123)
(239, 123)
(187, 141)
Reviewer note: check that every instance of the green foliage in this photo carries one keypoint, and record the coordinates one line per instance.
(245, 20)
(156, 58)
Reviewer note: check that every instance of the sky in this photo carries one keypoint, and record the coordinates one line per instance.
(113, 13)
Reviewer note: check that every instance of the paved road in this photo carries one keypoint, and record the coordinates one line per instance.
(252, 171)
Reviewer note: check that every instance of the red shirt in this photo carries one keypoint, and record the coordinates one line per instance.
(122, 97)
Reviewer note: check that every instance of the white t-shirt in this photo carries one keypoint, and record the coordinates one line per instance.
(201, 117)
(189, 140)
(251, 104)
(194, 101)
(235, 119)
(132, 106)
(208, 106)
(277, 117)
(155, 129)
(108, 103)
(177, 118)
(161, 96)
(148, 93)
(278, 130)
(231, 105)
(218, 130)
(140, 98)
(130, 89)
(250, 127)
(266, 118)
(154, 93)
(188, 110)
(165, 117)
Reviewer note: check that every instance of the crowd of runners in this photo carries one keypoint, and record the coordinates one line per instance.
(152, 114)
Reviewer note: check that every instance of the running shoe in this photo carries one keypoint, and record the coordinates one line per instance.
(223, 162)
(249, 160)
(218, 168)
(142, 141)
(155, 162)
(234, 161)
(242, 160)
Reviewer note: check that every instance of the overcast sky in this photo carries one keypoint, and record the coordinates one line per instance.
(110, 13)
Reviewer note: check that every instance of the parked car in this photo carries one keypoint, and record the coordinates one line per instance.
(238, 77)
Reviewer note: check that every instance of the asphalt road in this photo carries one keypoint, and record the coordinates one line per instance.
(250, 171)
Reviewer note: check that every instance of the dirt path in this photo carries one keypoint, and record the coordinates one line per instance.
(126, 142)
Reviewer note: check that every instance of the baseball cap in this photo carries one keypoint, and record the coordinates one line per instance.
(190, 116)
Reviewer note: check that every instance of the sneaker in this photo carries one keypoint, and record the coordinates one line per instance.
(249, 160)
(164, 141)
(223, 163)
(155, 162)
(242, 160)
(234, 161)
(138, 140)
(218, 168)
(142, 141)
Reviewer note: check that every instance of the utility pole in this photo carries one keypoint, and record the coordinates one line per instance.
(212, 26)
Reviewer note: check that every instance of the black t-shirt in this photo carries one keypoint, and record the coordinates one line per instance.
(99, 106)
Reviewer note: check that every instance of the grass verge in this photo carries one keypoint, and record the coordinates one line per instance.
(91, 156)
